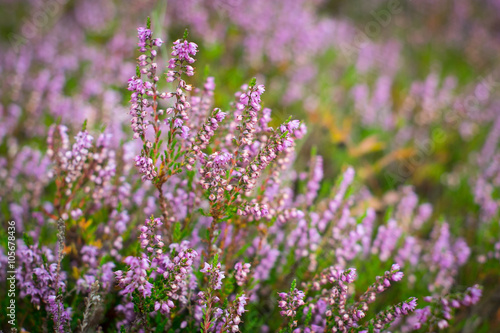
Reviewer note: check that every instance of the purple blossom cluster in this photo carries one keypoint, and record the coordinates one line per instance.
(40, 279)
(437, 315)
(214, 275)
(290, 302)
(382, 283)
(95, 272)
(232, 317)
(146, 167)
(136, 277)
(397, 311)
(241, 273)
(214, 175)
(150, 237)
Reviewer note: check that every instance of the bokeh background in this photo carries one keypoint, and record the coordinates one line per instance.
(406, 92)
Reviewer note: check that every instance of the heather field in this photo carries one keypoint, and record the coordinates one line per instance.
(300, 166)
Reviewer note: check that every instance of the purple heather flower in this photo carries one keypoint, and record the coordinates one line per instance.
(150, 239)
(60, 315)
(136, 278)
(214, 274)
(210, 84)
(290, 302)
(293, 125)
(382, 283)
(178, 122)
(214, 175)
(220, 116)
(472, 295)
(388, 316)
(386, 240)
(183, 50)
(184, 132)
(143, 35)
(241, 273)
(146, 167)
(314, 181)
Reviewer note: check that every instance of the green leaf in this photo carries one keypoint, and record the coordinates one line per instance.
(216, 260)
(294, 284)
(28, 240)
(177, 232)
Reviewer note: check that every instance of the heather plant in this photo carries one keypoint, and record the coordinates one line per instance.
(203, 207)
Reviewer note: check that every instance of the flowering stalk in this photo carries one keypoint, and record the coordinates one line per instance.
(438, 314)
(207, 299)
(382, 283)
(232, 317)
(241, 273)
(145, 99)
(40, 276)
(78, 167)
(279, 140)
(385, 318)
(289, 304)
(157, 281)
(91, 306)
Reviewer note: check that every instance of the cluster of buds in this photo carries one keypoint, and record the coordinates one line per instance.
(73, 161)
(204, 135)
(146, 167)
(279, 141)
(334, 275)
(215, 275)
(258, 211)
(444, 307)
(138, 106)
(175, 272)
(333, 283)
(136, 277)
(105, 168)
(179, 111)
(144, 90)
(182, 52)
(232, 316)
(250, 100)
(388, 316)
(164, 306)
(338, 317)
(214, 175)
(147, 43)
(176, 269)
(290, 302)
(179, 64)
(382, 283)
(241, 273)
(208, 129)
(149, 238)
